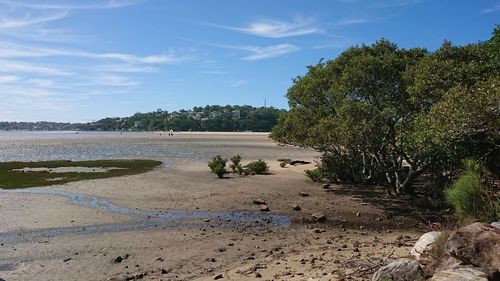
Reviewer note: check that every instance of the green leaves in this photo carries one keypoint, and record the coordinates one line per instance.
(392, 114)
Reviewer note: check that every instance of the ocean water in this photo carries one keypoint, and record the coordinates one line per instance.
(56, 145)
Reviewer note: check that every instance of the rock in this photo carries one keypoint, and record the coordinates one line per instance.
(477, 244)
(258, 275)
(118, 259)
(259, 202)
(318, 217)
(424, 245)
(356, 244)
(319, 230)
(296, 207)
(304, 194)
(496, 224)
(399, 270)
(264, 208)
(460, 274)
(218, 276)
(326, 186)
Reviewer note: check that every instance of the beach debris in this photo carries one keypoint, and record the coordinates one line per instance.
(259, 201)
(296, 207)
(318, 217)
(303, 194)
(319, 230)
(264, 208)
(358, 214)
(402, 269)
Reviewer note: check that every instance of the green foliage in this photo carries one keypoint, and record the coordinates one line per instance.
(471, 199)
(236, 166)
(214, 118)
(384, 115)
(218, 166)
(10, 177)
(284, 162)
(314, 174)
(258, 167)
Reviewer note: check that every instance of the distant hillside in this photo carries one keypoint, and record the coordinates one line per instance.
(38, 126)
(214, 118)
(209, 118)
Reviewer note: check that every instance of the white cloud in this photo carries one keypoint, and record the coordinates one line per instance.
(111, 4)
(491, 9)
(239, 83)
(8, 79)
(15, 66)
(260, 53)
(116, 81)
(276, 29)
(28, 20)
(346, 22)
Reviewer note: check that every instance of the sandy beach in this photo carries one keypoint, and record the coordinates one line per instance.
(179, 222)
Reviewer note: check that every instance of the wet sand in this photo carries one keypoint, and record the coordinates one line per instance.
(180, 222)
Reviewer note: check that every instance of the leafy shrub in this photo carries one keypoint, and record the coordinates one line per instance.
(471, 199)
(258, 167)
(315, 174)
(236, 166)
(284, 162)
(218, 165)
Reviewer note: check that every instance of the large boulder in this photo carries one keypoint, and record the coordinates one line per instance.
(477, 244)
(400, 270)
(423, 247)
(461, 274)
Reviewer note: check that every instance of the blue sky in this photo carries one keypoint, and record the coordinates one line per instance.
(84, 60)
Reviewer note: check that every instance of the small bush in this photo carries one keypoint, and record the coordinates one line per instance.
(472, 200)
(315, 174)
(218, 166)
(284, 162)
(236, 166)
(258, 167)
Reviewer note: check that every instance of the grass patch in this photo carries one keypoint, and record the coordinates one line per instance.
(10, 179)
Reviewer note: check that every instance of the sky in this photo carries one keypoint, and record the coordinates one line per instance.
(83, 60)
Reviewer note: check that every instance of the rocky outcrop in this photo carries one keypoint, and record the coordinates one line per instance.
(400, 270)
(461, 274)
(469, 253)
(477, 244)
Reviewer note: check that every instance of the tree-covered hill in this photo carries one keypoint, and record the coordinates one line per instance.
(209, 118)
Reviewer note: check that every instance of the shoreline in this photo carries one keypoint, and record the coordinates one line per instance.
(200, 247)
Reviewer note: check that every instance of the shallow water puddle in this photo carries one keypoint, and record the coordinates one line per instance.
(148, 220)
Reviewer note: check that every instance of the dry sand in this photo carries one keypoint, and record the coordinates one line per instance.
(348, 246)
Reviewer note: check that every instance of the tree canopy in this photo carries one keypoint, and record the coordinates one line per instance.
(386, 115)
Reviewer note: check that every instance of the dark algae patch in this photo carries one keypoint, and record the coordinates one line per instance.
(43, 173)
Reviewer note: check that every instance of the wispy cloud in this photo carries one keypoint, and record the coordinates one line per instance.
(28, 20)
(115, 80)
(16, 66)
(260, 53)
(8, 78)
(275, 29)
(346, 22)
(238, 83)
(10, 50)
(491, 9)
(111, 4)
